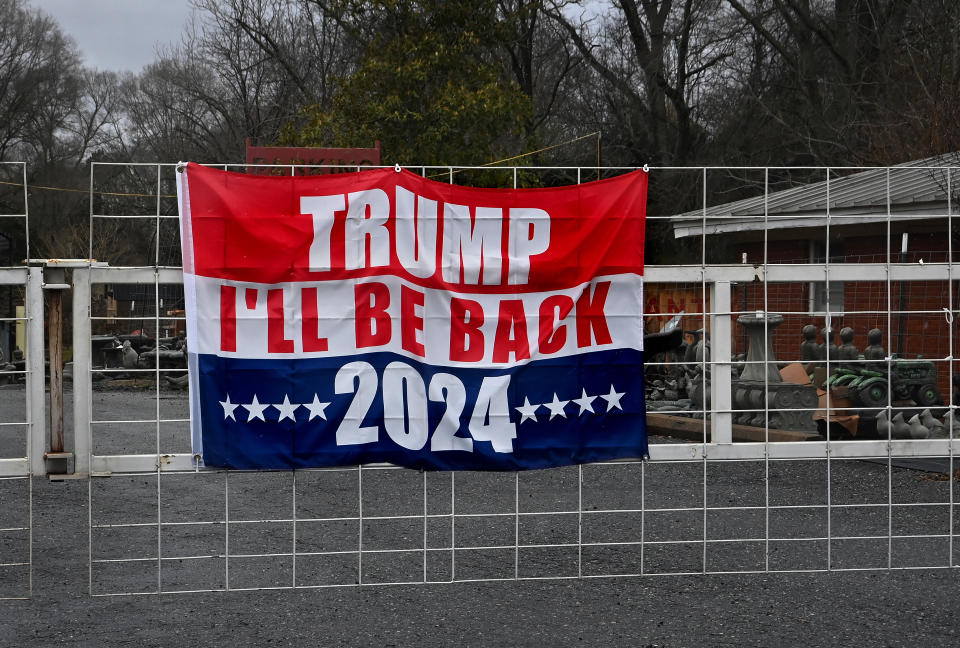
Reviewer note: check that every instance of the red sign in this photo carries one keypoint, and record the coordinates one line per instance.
(342, 159)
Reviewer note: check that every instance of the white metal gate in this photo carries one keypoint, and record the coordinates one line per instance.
(22, 411)
(716, 495)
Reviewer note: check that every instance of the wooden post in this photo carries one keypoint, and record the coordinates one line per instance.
(57, 459)
(55, 335)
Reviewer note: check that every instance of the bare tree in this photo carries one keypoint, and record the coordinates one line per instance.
(539, 57)
(54, 115)
(243, 70)
(841, 82)
(656, 55)
(306, 44)
(173, 111)
(39, 80)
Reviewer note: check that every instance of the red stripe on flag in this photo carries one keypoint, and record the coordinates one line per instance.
(254, 228)
(228, 318)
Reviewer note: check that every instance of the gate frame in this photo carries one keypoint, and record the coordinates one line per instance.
(31, 278)
(32, 463)
(715, 283)
(716, 278)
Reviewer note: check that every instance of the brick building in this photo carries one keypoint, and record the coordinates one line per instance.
(906, 214)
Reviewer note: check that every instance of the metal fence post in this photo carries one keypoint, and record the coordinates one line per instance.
(36, 397)
(721, 421)
(82, 381)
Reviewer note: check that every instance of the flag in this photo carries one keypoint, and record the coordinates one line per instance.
(381, 316)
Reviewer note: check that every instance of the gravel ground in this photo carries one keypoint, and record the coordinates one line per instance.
(874, 607)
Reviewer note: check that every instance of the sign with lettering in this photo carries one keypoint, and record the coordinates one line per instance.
(384, 317)
(308, 160)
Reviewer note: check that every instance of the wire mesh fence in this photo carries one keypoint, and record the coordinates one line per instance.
(16, 547)
(781, 440)
(15, 487)
(380, 525)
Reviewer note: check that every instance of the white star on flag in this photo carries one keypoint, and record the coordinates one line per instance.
(228, 408)
(256, 409)
(556, 407)
(527, 411)
(613, 399)
(316, 408)
(585, 402)
(287, 409)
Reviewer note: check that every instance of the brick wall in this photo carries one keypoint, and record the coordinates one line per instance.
(921, 330)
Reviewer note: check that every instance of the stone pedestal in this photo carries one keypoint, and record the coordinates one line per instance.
(760, 386)
(761, 360)
(790, 406)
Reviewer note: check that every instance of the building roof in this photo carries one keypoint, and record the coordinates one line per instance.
(917, 190)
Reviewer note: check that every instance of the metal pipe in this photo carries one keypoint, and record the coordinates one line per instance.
(903, 295)
(35, 375)
(720, 366)
(82, 380)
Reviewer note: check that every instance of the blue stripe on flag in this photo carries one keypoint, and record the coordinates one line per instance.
(270, 413)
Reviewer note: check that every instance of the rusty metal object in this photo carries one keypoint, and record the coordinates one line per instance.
(55, 340)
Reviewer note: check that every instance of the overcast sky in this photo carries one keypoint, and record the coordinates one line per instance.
(118, 34)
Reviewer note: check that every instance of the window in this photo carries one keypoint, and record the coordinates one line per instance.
(819, 294)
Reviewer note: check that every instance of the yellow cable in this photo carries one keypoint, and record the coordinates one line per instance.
(546, 148)
(86, 191)
(541, 150)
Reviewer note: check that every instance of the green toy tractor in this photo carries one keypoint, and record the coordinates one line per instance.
(914, 380)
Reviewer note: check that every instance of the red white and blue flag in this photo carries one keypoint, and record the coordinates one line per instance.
(381, 316)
